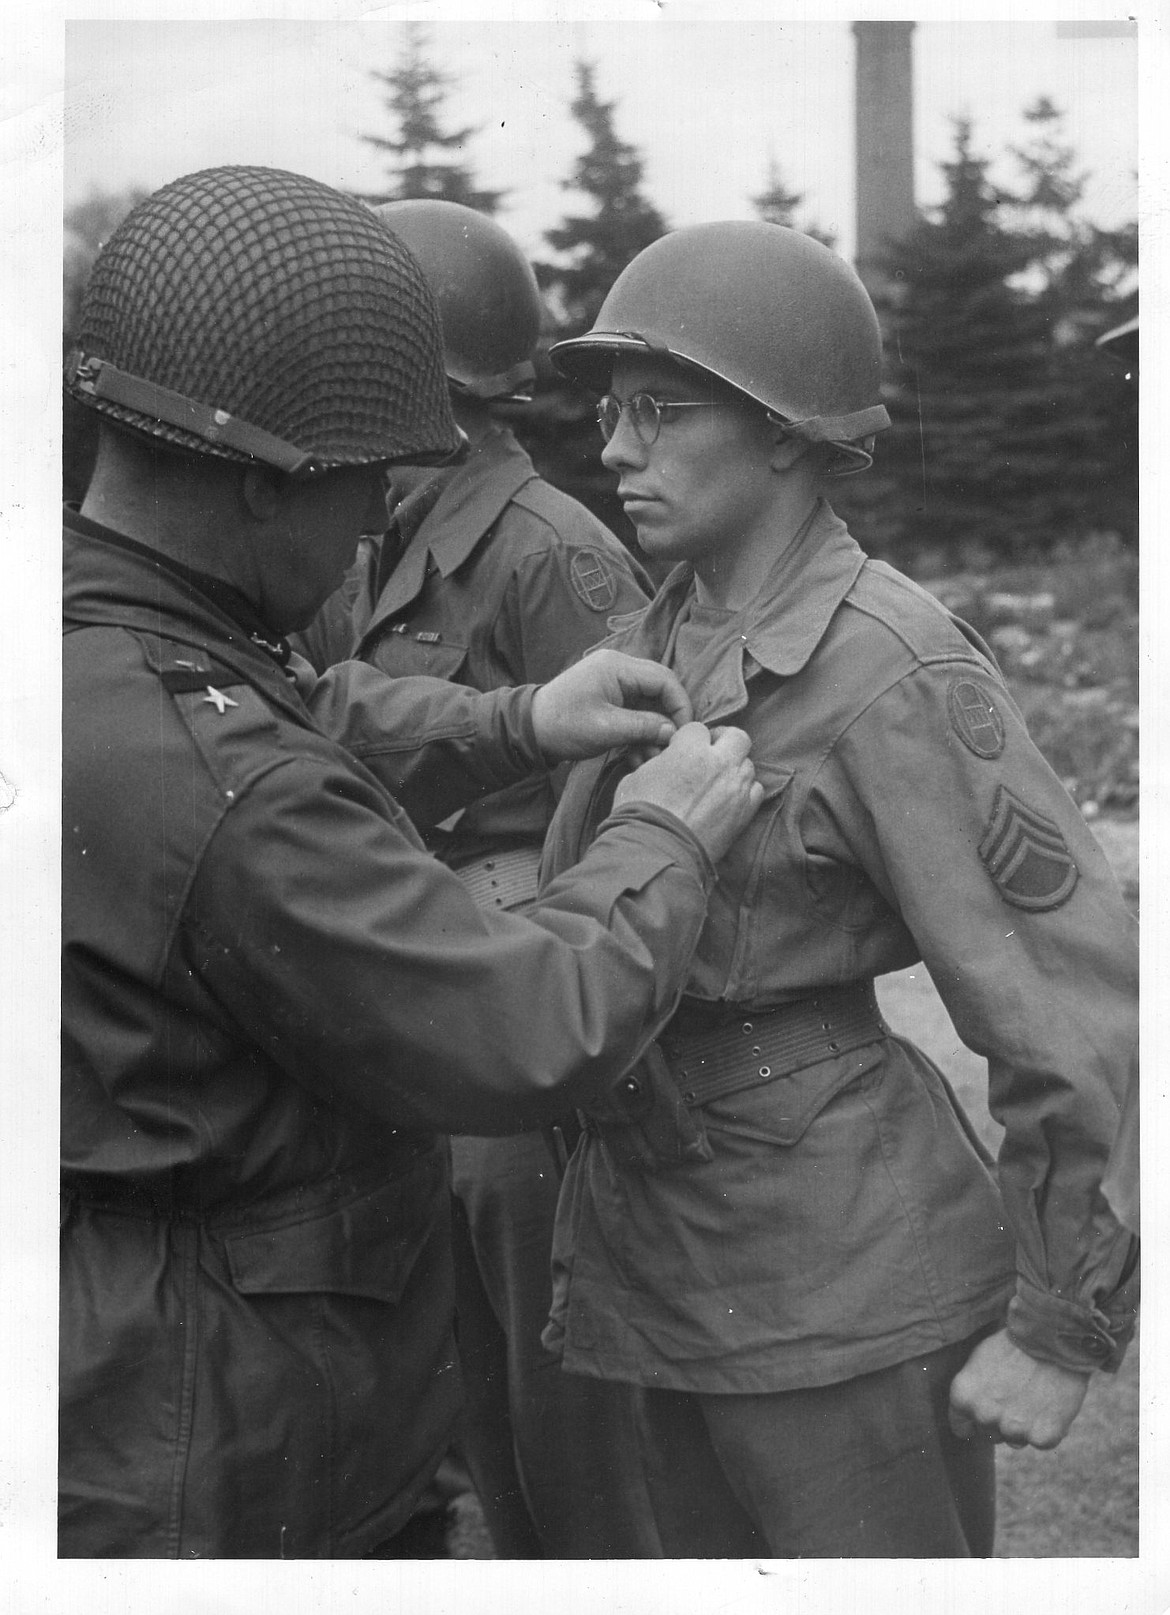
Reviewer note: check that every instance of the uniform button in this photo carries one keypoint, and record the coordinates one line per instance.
(632, 1086)
(689, 1096)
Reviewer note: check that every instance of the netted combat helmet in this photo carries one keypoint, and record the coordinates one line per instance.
(769, 310)
(254, 314)
(487, 294)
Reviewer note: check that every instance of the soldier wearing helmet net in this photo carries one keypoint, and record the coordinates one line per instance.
(489, 576)
(274, 1000)
(834, 1301)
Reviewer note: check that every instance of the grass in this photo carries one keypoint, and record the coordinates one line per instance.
(1065, 636)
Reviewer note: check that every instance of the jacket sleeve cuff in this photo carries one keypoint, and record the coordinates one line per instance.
(520, 744)
(1071, 1334)
(637, 812)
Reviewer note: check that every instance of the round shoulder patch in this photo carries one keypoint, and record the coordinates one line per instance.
(975, 719)
(592, 579)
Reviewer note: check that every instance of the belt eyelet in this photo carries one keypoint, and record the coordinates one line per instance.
(765, 1071)
(835, 1047)
(756, 1052)
(747, 1028)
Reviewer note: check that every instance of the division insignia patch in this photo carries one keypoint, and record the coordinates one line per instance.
(592, 579)
(975, 719)
(1026, 855)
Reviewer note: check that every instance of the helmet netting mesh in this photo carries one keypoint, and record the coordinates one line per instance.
(281, 301)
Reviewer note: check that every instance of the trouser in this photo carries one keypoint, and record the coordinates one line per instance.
(554, 1457)
(867, 1468)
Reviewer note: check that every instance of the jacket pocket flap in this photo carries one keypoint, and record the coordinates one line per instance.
(781, 1110)
(364, 1247)
(774, 780)
(402, 655)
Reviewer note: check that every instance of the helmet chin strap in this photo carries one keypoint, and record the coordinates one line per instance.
(98, 378)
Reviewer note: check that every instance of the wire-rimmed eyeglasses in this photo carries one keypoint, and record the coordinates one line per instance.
(646, 413)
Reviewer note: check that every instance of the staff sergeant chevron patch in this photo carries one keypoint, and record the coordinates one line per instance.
(1026, 855)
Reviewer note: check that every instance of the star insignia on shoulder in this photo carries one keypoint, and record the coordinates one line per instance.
(218, 699)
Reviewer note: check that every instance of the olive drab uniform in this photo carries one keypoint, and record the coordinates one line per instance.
(488, 577)
(491, 577)
(827, 1211)
(274, 1003)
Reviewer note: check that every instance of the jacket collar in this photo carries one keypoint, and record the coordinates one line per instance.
(780, 629)
(472, 499)
(112, 581)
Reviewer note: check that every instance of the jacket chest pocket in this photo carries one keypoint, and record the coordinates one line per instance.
(406, 650)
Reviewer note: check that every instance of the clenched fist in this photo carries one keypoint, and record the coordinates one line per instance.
(1008, 1396)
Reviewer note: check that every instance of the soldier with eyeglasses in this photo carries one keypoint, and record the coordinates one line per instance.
(835, 1301)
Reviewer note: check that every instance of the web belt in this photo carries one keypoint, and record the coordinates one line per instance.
(766, 1045)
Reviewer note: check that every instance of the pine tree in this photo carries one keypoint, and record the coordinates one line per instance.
(559, 428)
(776, 204)
(598, 245)
(1080, 275)
(976, 442)
(423, 159)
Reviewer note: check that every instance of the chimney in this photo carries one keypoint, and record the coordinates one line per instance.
(884, 119)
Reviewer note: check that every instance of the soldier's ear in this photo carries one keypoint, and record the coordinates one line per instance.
(787, 449)
(262, 492)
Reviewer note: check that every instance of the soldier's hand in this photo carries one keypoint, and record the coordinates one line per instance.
(1004, 1394)
(607, 699)
(706, 779)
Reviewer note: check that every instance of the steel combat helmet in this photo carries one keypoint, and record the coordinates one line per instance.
(487, 294)
(253, 314)
(767, 309)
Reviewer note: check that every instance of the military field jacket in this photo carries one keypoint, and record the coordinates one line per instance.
(504, 580)
(273, 998)
(847, 1219)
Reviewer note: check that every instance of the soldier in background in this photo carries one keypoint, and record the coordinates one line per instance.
(488, 576)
